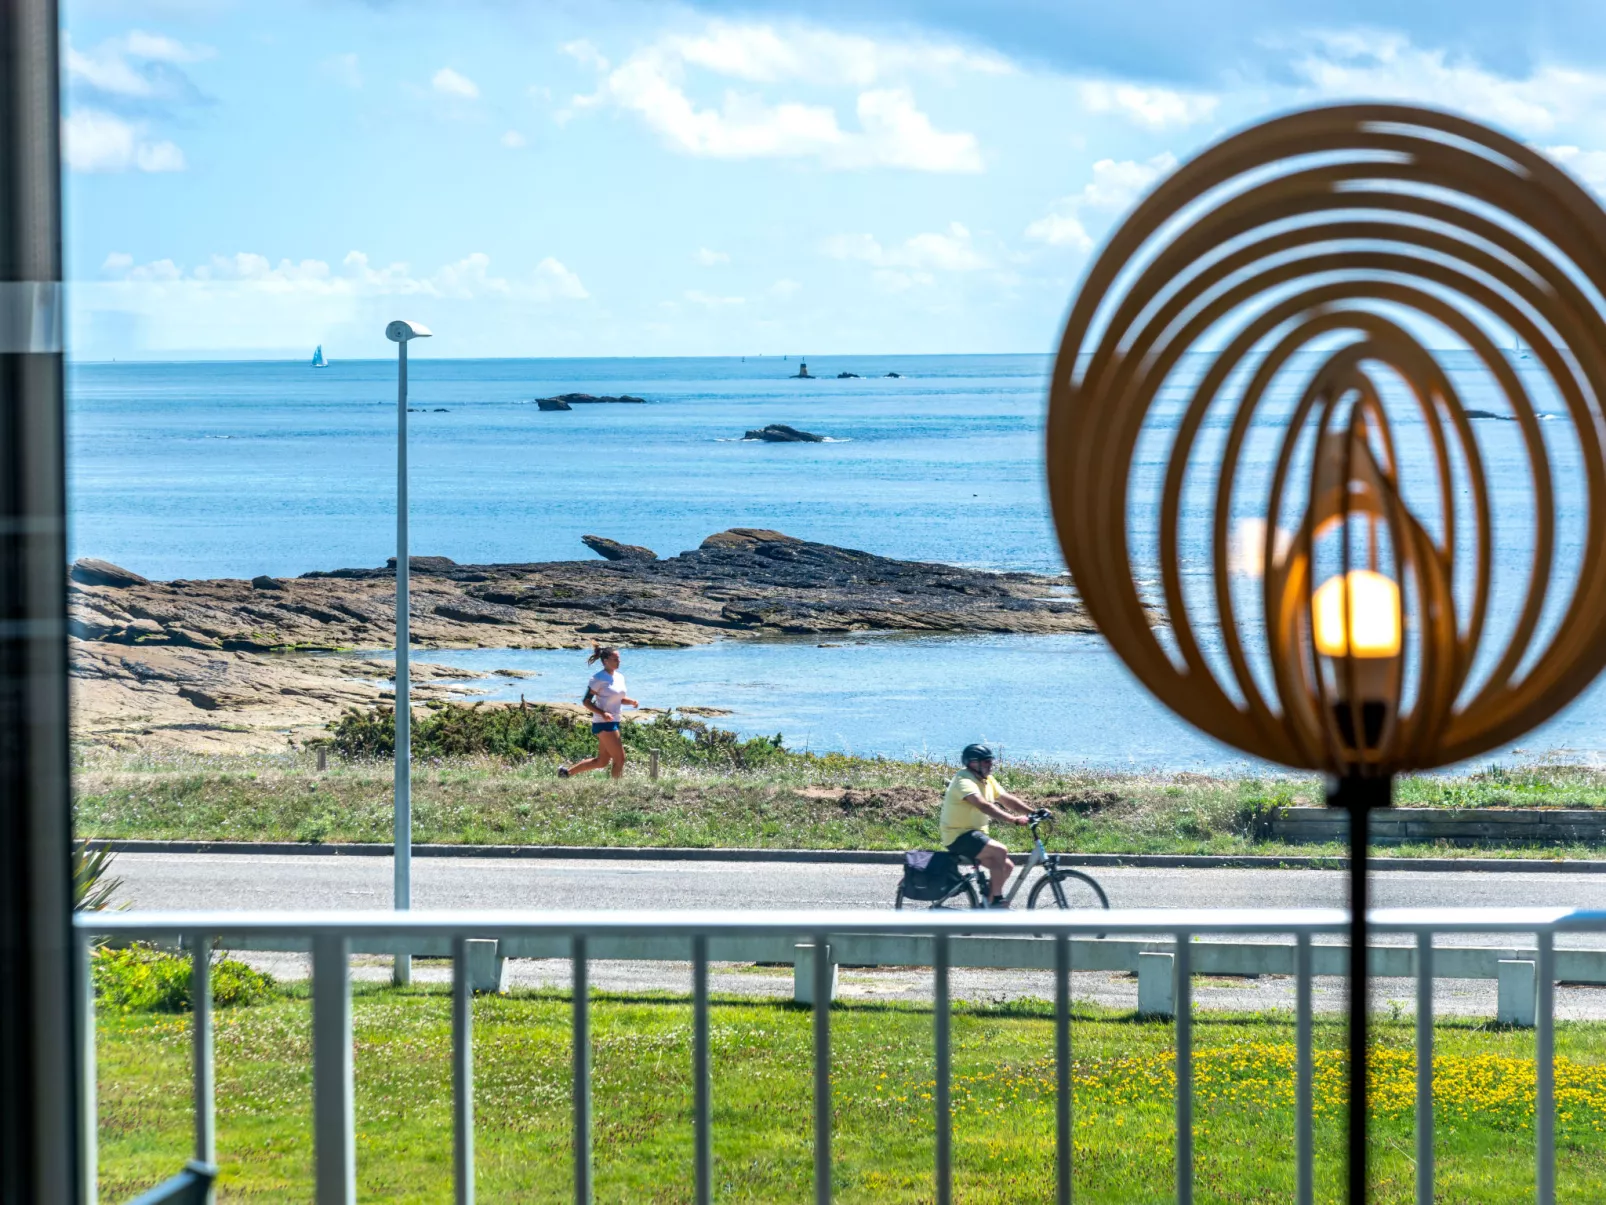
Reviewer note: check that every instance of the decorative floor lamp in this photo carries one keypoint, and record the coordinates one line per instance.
(1277, 298)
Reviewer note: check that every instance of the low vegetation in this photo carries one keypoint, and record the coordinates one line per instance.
(488, 776)
(1003, 1103)
(141, 978)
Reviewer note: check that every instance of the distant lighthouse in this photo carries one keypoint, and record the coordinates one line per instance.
(803, 369)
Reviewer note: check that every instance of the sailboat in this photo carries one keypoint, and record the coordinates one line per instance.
(317, 358)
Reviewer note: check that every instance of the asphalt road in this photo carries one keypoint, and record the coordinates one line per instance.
(241, 882)
(236, 881)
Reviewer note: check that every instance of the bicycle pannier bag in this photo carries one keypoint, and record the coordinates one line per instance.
(929, 874)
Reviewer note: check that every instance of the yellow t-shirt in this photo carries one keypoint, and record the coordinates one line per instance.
(958, 816)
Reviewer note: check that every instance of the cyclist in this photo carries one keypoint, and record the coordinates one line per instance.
(972, 800)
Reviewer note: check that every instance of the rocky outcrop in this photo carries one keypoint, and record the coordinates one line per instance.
(227, 652)
(780, 433)
(613, 550)
(567, 401)
(89, 571)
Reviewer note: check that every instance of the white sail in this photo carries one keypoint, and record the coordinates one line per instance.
(317, 358)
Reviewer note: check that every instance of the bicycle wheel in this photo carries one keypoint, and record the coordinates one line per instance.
(1067, 889)
(964, 894)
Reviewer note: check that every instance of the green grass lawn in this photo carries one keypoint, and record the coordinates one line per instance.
(882, 1069)
(798, 803)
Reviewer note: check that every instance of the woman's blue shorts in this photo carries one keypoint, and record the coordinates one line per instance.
(610, 727)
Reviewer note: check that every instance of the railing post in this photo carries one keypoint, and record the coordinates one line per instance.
(1184, 997)
(583, 1190)
(822, 1070)
(702, 1077)
(333, 1114)
(89, 1114)
(202, 1052)
(1424, 1069)
(944, 1118)
(1304, 1074)
(462, 1074)
(1545, 1073)
(1062, 1068)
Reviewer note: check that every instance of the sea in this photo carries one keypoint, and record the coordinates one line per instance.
(233, 469)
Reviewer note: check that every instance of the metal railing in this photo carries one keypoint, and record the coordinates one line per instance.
(705, 936)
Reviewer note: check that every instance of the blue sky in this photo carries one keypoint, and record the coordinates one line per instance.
(248, 180)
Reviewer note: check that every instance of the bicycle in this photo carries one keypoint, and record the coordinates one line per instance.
(1059, 886)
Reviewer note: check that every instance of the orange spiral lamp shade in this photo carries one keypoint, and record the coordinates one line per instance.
(1269, 308)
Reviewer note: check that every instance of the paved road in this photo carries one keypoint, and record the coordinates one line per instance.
(195, 881)
(321, 881)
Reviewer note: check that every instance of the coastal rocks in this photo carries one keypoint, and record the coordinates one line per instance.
(567, 401)
(780, 433)
(264, 582)
(90, 571)
(423, 564)
(747, 537)
(1490, 414)
(237, 650)
(847, 376)
(613, 550)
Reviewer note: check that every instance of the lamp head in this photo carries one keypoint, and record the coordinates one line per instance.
(401, 330)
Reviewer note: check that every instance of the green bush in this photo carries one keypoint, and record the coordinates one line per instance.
(141, 978)
(532, 730)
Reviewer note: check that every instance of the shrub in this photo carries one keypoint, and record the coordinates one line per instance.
(141, 978)
(534, 730)
(91, 888)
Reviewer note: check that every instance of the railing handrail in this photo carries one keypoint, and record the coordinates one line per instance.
(725, 923)
(331, 935)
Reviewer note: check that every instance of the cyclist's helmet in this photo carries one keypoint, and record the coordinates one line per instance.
(975, 753)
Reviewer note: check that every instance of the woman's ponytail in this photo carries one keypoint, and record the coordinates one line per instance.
(599, 652)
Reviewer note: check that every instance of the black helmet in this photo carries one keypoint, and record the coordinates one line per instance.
(975, 753)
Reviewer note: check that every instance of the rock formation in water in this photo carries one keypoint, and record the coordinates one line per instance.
(613, 550)
(225, 664)
(780, 433)
(567, 401)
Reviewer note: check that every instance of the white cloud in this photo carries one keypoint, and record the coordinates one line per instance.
(136, 66)
(449, 83)
(343, 69)
(513, 140)
(765, 54)
(117, 261)
(1116, 184)
(893, 131)
(1377, 64)
(915, 261)
(553, 280)
(711, 259)
(784, 288)
(94, 141)
(1156, 108)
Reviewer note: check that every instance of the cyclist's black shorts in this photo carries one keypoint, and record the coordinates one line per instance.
(968, 845)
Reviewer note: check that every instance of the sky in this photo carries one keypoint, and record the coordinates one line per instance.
(555, 178)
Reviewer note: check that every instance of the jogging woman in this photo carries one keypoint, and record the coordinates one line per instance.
(605, 700)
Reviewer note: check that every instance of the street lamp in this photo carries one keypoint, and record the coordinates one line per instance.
(1275, 299)
(399, 333)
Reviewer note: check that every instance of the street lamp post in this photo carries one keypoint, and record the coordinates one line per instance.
(400, 332)
(1325, 573)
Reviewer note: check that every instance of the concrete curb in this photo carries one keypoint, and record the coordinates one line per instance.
(853, 856)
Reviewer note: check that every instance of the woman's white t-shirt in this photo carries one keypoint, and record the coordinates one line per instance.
(607, 692)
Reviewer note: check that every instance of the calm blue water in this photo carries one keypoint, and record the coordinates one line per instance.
(214, 470)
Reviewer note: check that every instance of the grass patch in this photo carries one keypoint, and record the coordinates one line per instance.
(794, 801)
(1003, 1103)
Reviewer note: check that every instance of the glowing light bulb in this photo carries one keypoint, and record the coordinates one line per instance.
(1372, 627)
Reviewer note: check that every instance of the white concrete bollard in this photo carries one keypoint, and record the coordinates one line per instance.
(486, 971)
(803, 974)
(1157, 985)
(1518, 989)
